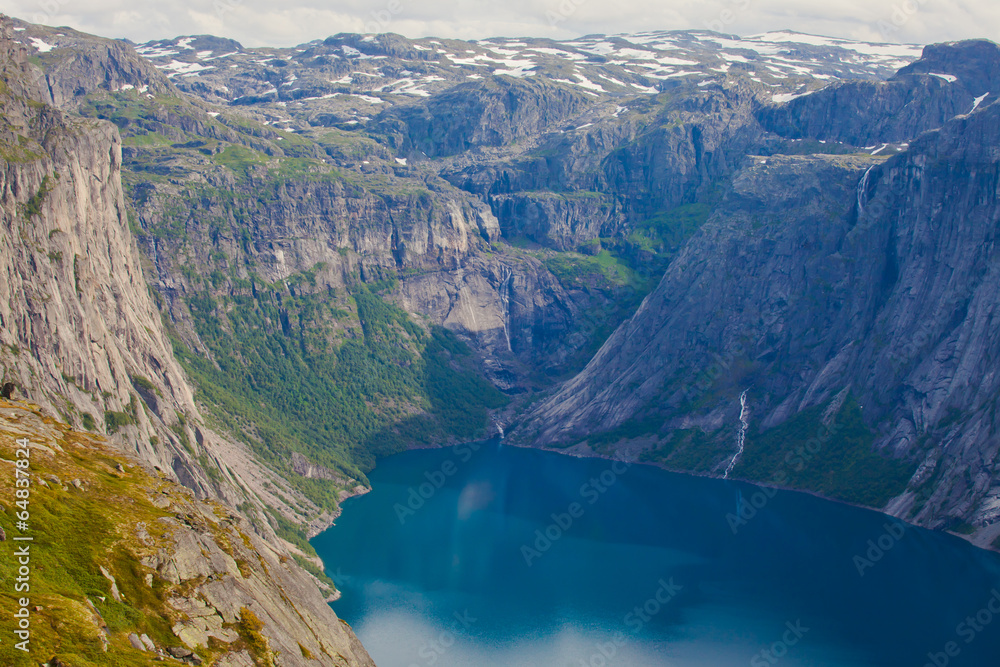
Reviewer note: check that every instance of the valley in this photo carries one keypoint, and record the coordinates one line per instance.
(257, 272)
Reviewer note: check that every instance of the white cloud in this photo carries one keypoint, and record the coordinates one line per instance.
(262, 22)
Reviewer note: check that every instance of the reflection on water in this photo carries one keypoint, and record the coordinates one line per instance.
(483, 556)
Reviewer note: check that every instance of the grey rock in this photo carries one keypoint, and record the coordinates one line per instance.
(115, 593)
(882, 284)
(83, 309)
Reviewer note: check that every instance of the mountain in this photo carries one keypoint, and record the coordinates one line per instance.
(130, 568)
(852, 291)
(255, 271)
(129, 563)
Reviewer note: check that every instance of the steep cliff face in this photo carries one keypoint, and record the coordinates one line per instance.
(821, 278)
(83, 340)
(80, 332)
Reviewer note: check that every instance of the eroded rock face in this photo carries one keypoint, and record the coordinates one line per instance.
(81, 334)
(232, 570)
(824, 274)
(78, 325)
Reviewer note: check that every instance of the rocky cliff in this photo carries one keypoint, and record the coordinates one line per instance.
(83, 340)
(130, 568)
(821, 280)
(355, 243)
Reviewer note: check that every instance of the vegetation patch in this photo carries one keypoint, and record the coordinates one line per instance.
(77, 530)
(837, 461)
(249, 628)
(289, 373)
(113, 420)
(34, 204)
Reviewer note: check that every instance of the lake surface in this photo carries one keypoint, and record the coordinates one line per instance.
(484, 555)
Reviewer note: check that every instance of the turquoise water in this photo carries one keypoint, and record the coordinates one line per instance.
(484, 555)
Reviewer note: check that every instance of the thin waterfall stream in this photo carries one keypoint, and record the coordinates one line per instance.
(863, 189)
(741, 438)
(506, 275)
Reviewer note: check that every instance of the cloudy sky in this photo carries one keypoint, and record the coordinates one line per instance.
(290, 22)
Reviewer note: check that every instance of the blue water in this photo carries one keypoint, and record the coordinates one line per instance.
(647, 568)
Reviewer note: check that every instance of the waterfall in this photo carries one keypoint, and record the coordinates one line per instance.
(863, 190)
(741, 438)
(506, 276)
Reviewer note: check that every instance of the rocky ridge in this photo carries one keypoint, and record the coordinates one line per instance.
(821, 277)
(83, 340)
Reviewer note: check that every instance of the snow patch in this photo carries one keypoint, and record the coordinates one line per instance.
(554, 52)
(41, 45)
(950, 78)
(784, 98)
(176, 67)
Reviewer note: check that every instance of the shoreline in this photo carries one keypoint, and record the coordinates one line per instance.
(595, 455)
(324, 522)
(591, 454)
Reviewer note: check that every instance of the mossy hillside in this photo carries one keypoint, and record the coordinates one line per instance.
(329, 375)
(90, 509)
(77, 531)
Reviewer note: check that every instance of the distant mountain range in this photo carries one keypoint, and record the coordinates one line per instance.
(261, 269)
